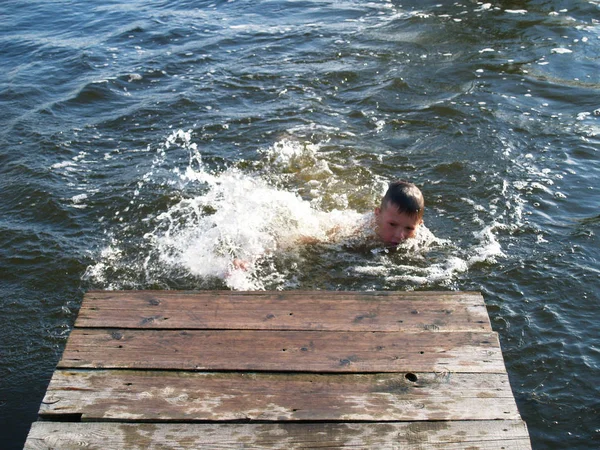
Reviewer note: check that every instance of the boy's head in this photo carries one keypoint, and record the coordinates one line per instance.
(400, 213)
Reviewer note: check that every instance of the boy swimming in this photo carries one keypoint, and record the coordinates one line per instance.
(400, 213)
(396, 219)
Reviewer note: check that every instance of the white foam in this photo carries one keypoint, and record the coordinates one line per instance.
(62, 165)
(489, 248)
(561, 50)
(79, 198)
(249, 229)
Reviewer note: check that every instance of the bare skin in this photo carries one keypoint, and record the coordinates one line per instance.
(393, 227)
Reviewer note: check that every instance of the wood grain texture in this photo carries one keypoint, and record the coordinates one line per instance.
(280, 370)
(335, 311)
(310, 351)
(483, 435)
(188, 396)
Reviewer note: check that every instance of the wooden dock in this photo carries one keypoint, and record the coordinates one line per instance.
(280, 370)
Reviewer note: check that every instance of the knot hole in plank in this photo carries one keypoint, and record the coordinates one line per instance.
(412, 377)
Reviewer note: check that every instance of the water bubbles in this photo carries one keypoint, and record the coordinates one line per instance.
(78, 200)
(583, 115)
(561, 50)
(63, 165)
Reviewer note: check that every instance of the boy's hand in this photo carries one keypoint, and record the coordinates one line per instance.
(240, 264)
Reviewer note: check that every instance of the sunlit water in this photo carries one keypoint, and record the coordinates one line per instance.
(150, 146)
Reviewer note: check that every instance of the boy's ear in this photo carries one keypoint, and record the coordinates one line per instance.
(377, 210)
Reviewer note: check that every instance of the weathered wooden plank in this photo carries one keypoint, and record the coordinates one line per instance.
(299, 369)
(339, 311)
(314, 294)
(225, 396)
(484, 435)
(312, 351)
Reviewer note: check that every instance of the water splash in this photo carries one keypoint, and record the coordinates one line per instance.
(268, 225)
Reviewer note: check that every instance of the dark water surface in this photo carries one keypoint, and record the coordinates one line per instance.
(147, 144)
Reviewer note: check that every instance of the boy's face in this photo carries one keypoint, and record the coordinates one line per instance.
(393, 227)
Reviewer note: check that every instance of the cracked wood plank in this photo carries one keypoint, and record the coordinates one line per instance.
(230, 396)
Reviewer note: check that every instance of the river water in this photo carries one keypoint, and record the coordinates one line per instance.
(146, 145)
